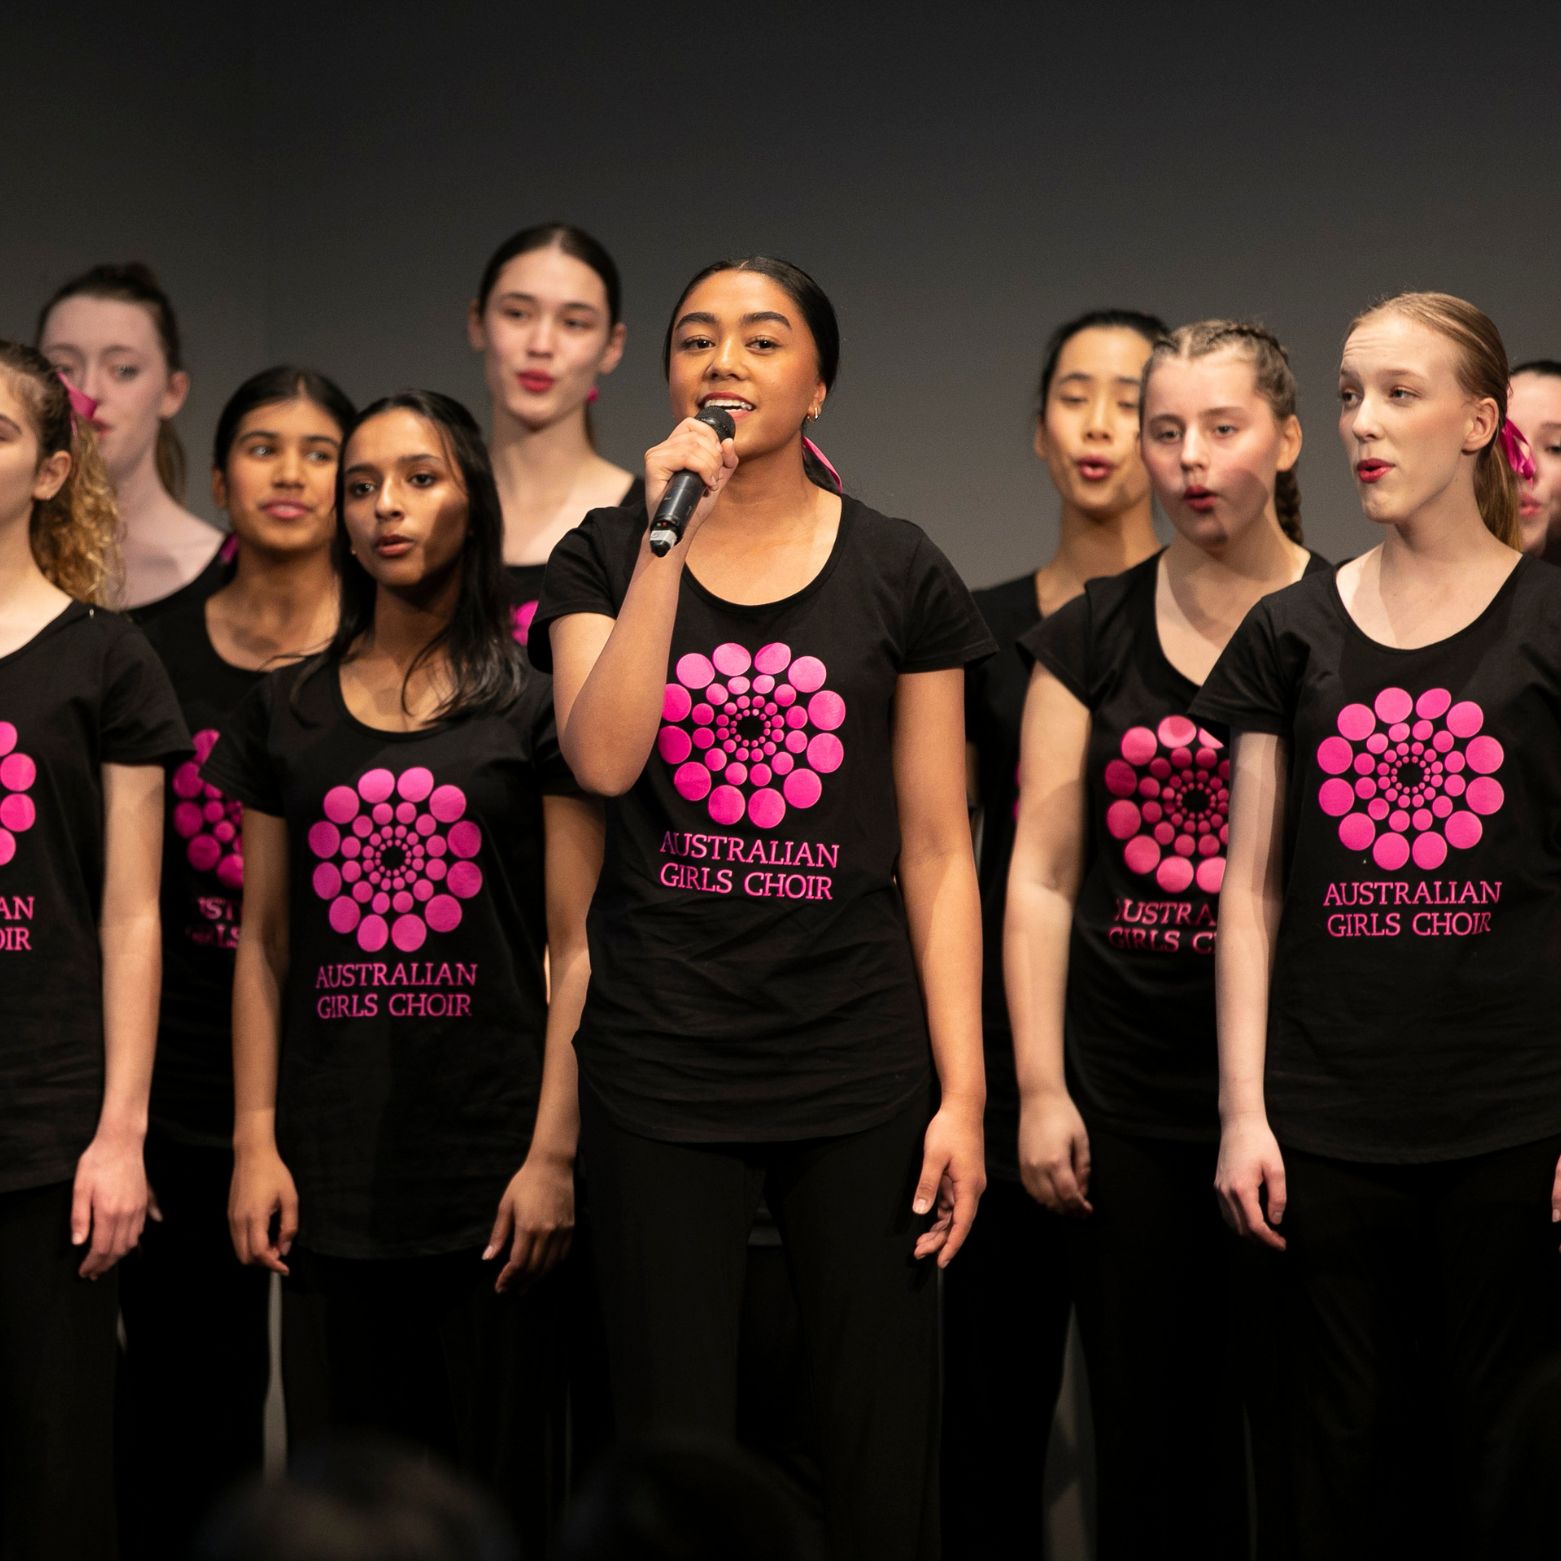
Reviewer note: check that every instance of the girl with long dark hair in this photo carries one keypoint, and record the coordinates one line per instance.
(786, 938)
(405, 1096)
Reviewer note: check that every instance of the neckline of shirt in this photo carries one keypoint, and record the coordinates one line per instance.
(1504, 589)
(848, 513)
(70, 611)
(333, 670)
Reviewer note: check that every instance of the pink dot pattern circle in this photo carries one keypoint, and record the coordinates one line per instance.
(209, 824)
(396, 858)
(751, 735)
(1171, 789)
(1409, 778)
(521, 618)
(18, 812)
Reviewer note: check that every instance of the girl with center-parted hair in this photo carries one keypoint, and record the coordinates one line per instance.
(414, 845)
(786, 938)
(87, 724)
(113, 330)
(197, 1359)
(1110, 934)
(1006, 1305)
(1390, 1078)
(547, 321)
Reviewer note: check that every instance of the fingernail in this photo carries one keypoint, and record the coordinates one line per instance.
(1555, 1216)
(920, 1206)
(487, 1252)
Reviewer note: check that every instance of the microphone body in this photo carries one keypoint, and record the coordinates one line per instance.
(685, 490)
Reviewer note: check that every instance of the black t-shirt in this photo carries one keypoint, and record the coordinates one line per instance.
(751, 971)
(525, 580)
(994, 709)
(85, 691)
(215, 574)
(203, 886)
(1141, 1048)
(1417, 968)
(414, 1016)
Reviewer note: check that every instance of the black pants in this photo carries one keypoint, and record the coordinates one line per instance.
(423, 1350)
(57, 1354)
(1006, 1302)
(1427, 1288)
(197, 1361)
(672, 1226)
(1155, 1281)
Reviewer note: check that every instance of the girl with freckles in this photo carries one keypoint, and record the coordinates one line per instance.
(785, 942)
(1110, 935)
(414, 846)
(547, 321)
(1388, 970)
(87, 725)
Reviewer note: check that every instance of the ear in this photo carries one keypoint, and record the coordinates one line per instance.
(50, 476)
(476, 336)
(1040, 437)
(173, 396)
(219, 488)
(1484, 420)
(1289, 443)
(612, 354)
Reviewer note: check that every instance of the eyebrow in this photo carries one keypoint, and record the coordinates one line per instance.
(266, 433)
(1120, 379)
(531, 298)
(400, 460)
(702, 317)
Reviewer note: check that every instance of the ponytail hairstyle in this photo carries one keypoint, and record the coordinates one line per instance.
(818, 313)
(135, 284)
(487, 667)
(74, 535)
(1483, 373)
(1271, 375)
(1150, 326)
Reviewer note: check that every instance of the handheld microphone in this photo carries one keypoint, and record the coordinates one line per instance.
(685, 490)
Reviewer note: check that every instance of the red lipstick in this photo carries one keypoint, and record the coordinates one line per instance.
(536, 382)
(1372, 470)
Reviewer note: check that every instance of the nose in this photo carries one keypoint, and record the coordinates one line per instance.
(1097, 425)
(723, 361)
(1194, 452)
(289, 469)
(1363, 420)
(387, 502)
(541, 341)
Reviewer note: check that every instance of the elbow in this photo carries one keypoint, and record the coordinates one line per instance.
(598, 773)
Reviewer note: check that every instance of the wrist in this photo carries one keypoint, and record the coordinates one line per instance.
(126, 1130)
(966, 1102)
(555, 1156)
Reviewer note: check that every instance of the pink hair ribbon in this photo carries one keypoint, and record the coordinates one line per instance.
(1517, 449)
(82, 407)
(824, 461)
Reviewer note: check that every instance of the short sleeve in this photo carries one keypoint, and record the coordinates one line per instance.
(554, 777)
(139, 718)
(943, 626)
(1061, 644)
(578, 579)
(1247, 689)
(242, 763)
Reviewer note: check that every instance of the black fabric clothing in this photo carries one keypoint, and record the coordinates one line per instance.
(751, 969)
(1417, 967)
(85, 691)
(1006, 1304)
(1163, 1354)
(416, 1005)
(56, 1386)
(994, 711)
(424, 1350)
(215, 573)
(1139, 1019)
(202, 894)
(869, 1314)
(525, 580)
(1441, 1277)
(197, 1357)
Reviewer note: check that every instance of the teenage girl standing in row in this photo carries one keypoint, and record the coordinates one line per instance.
(1390, 958)
(1006, 1304)
(87, 724)
(1111, 919)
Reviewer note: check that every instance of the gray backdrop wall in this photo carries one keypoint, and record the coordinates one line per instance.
(323, 182)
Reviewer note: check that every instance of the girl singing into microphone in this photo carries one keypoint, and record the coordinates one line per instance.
(87, 723)
(414, 844)
(1110, 936)
(786, 938)
(1390, 1080)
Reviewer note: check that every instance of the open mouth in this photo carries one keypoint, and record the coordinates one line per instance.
(392, 546)
(1372, 471)
(1198, 499)
(537, 384)
(1093, 469)
(736, 406)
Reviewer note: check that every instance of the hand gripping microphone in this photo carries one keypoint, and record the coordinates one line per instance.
(685, 490)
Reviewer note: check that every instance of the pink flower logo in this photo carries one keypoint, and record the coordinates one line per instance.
(1410, 777)
(762, 725)
(18, 813)
(1172, 787)
(209, 823)
(396, 858)
(521, 617)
